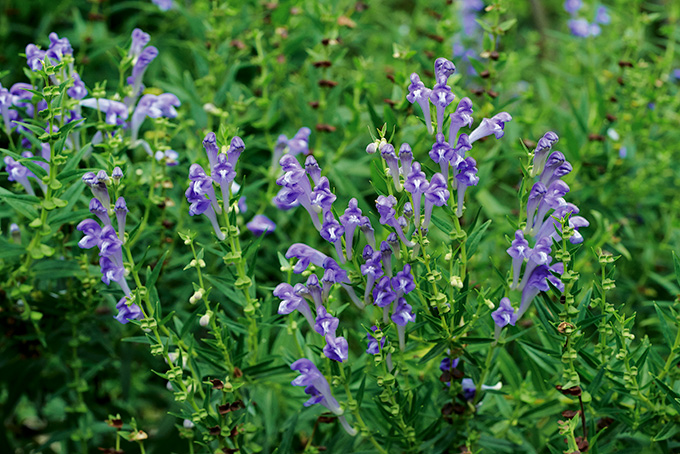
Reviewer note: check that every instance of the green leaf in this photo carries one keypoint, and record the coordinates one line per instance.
(475, 237)
(435, 351)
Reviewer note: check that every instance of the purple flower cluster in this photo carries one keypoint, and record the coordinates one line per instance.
(109, 242)
(546, 207)
(201, 192)
(579, 26)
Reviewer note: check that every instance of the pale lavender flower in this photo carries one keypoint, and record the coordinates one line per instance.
(77, 90)
(121, 210)
(538, 191)
(34, 57)
(98, 210)
(115, 112)
(602, 15)
(469, 389)
(573, 6)
(401, 316)
(538, 282)
(19, 173)
(313, 170)
(542, 151)
(97, 184)
(310, 377)
(385, 206)
(372, 270)
(211, 148)
(405, 158)
(92, 232)
(336, 348)
(299, 144)
(579, 27)
(146, 56)
(504, 315)
(236, 147)
(139, 41)
(367, 230)
(163, 5)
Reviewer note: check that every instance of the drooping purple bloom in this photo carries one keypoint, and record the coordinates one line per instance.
(367, 230)
(418, 93)
(97, 184)
(92, 232)
(290, 301)
(260, 225)
(437, 194)
(442, 153)
(332, 231)
(372, 270)
(538, 282)
(305, 255)
(388, 154)
(310, 377)
(385, 206)
(127, 312)
(416, 184)
(401, 316)
(403, 283)
(461, 117)
(542, 150)
(519, 251)
(405, 158)
(466, 176)
(573, 6)
(505, 314)
(313, 170)
(374, 347)
(121, 210)
(336, 348)
(494, 125)
(350, 220)
(299, 144)
(98, 210)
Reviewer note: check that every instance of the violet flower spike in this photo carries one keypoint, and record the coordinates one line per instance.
(437, 194)
(467, 176)
(494, 125)
(350, 220)
(385, 206)
(402, 315)
(519, 251)
(332, 231)
(405, 158)
(388, 154)
(418, 93)
(461, 117)
(290, 302)
(538, 282)
(416, 184)
(442, 154)
(542, 151)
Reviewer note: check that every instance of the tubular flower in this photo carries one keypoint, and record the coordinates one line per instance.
(261, 225)
(542, 151)
(461, 117)
(519, 251)
(442, 153)
(467, 176)
(385, 206)
(416, 184)
(504, 315)
(350, 220)
(402, 315)
(290, 301)
(390, 157)
(332, 231)
(437, 194)
(495, 125)
(418, 93)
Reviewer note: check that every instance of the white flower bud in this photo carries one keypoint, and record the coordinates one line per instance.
(188, 424)
(205, 320)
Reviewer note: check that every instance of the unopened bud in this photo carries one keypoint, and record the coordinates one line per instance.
(205, 320)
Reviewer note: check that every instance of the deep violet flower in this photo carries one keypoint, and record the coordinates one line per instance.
(127, 311)
(437, 194)
(403, 283)
(494, 125)
(461, 117)
(121, 210)
(405, 158)
(385, 206)
(401, 316)
(98, 210)
(261, 224)
(519, 250)
(92, 232)
(305, 255)
(373, 271)
(442, 153)
(538, 282)
(388, 154)
(466, 176)
(367, 230)
(332, 231)
(542, 151)
(504, 315)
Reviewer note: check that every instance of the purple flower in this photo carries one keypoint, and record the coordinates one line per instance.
(77, 90)
(97, 184)
(332, 231)
(447, 364)
(34, 57)
(461, 117)
(313, 170)
(402, 315)
(374, 346)
(555, 160)
(441, 96)
(98, 210)
(469, 389)
(519, 251)
(139, 41)
(163, 5)
(437, 194)
(202, 185)
(201, 205)
(127, 312)
(403, 283)
(121, 210)
(110, 271)
(92, 232)
(416, 184)
(495, 125)
(290, 301)
(372, 270)
(388, 154)
(325, 323)
(350, 220)
(505, 314)
(19, 173)
(418, 93)
(367, 230)
(110, 244)
(386, 257)
(442, 153)
(236, 147)
(579, 27)
(383, 295)
(314, 290)
(573, 6)
(300, 142)
(261, 224)
(211, 148)
(385, 206)
(305, 256)
(146, 56)
(315, 384)
(602, 15)
(115, 112)
(467, 176)
(553, 198)
(336, 348)
(322, 198)
(405, 158)
(538, 191)
(542, 150)
(538, 282)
